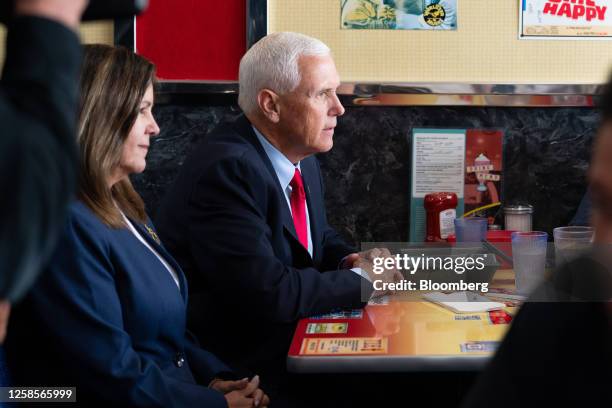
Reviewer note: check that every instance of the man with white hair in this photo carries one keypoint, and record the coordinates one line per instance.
(246, 217)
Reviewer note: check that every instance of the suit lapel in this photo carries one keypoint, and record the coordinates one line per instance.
(309, 177)
(149, 235)
(245, 129)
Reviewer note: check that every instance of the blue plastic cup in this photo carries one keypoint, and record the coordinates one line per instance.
(471, 229)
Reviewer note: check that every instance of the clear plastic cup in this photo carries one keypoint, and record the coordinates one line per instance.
(529, 259)
(570, 242)
(470, 229)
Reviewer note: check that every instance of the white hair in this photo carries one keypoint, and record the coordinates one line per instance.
(272, 63)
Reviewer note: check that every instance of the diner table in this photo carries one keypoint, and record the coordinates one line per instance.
(403, 334)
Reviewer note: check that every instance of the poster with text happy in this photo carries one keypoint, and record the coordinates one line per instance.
(565, 19)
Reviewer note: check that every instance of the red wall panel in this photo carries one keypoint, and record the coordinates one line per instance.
(193, 39)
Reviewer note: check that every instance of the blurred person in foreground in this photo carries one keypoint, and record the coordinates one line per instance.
(108, 315)
(558, 351)
(38, 105)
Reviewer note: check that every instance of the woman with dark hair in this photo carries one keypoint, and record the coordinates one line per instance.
(108, 316)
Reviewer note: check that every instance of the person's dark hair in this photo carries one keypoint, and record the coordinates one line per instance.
(113, 83)
(605, 102)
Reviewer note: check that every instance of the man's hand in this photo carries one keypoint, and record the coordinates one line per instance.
(67, 12)
(349, 261)
(5, 311)
(369, 255)
(250, 395)
(365, 261)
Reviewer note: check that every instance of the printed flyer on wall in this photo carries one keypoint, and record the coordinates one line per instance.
(438, 164)
(565, 19)
(399, 14)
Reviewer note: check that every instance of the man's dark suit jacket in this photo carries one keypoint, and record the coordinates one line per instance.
(227, 222)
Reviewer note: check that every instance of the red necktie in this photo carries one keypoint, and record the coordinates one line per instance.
(298, 207)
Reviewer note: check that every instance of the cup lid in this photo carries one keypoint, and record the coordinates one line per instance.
(518, 209)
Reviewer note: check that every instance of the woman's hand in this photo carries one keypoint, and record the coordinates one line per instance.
(228, 386)
(242, 393)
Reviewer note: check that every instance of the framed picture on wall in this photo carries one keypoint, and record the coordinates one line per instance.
(398, 15)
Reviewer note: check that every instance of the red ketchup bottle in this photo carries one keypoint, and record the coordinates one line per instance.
(441, 214)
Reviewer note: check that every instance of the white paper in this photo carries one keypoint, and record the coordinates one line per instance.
(463, 302)
(438, 163)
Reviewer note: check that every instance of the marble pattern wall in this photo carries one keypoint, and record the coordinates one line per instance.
(367, 173)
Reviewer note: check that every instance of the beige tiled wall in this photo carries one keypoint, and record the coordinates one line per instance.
(484, 49)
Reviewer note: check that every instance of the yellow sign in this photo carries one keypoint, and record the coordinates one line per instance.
(327, 328)
(351, 345)
(434, 15)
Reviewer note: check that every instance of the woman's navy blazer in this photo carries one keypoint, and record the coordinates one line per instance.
(107, 317)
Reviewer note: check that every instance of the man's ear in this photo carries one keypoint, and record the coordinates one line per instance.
(268, 102)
